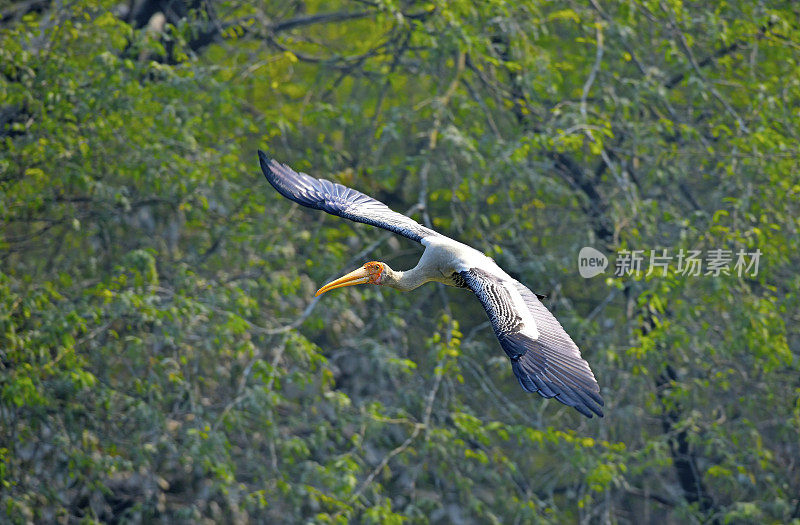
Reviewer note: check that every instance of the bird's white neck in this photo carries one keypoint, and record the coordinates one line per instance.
(405, 281)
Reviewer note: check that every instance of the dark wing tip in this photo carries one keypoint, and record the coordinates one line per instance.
(565, 378)
(265, 163)
(271, 168)
(588, 402)
(299, 187)
(582, 399)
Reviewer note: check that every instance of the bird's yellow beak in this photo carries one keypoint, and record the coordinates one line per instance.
(360, 276)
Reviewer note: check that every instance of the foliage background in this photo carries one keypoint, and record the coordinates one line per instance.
(161, 355)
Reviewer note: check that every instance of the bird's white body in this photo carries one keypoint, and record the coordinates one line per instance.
(448, 256)
(443, 257)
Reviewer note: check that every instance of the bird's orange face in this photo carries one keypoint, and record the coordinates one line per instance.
(371, 273)
(375, 271)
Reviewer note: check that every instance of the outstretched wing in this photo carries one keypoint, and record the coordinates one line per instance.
(336, 199)
(543, 357)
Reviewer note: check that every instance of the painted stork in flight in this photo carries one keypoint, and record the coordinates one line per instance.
(543, 357)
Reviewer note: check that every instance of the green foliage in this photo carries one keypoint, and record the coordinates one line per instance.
(161, 354)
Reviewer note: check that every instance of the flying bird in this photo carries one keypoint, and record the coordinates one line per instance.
(543, 357)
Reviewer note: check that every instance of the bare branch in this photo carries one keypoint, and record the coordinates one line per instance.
(719, 53)
(417, 429)
(324, 18)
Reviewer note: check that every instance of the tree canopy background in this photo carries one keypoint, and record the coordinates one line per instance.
(161, 354)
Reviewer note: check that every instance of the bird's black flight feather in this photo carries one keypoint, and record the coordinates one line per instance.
(336, 199)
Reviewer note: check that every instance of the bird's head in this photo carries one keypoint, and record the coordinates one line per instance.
(372, 273)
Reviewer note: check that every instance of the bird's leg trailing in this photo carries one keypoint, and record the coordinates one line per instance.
(369, 273)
